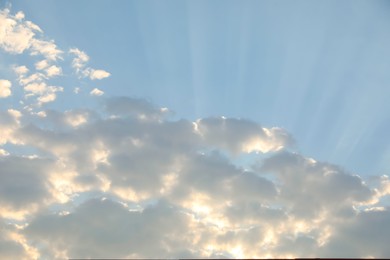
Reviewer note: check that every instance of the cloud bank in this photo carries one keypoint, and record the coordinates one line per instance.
(127, 180)
(131, 182)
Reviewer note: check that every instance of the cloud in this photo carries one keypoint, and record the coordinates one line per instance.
(366, 235)
(44, 92)
(313, 189)
(98, 74)
(5, 88)
(22, 189)
(15, 35)
(80, 60)
(79, 64)
(21, 70)
(173, 189)
(47, 49)
(53, 71)
(156, 230)
(96, 92)
(240, 135)
(9, 123)
(41, 64)
(19, 36)
(11, 244)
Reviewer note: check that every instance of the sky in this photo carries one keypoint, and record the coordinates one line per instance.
(179, 129)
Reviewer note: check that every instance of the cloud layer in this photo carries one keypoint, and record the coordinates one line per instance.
(131, 182)
(126, 180)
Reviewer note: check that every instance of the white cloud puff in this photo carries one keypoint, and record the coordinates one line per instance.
(98, 74)
(96, 92)
(53, 71)
(5, 88)
(15, 36)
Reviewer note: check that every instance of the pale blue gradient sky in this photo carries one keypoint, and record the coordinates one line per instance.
(319, 69)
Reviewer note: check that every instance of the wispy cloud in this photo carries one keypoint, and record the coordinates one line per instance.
(79, 64)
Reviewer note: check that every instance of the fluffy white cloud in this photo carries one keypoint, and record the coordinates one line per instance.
(48, 49)
(21, 70)
(15, 36)
(40, 65)
(18, 35)
(96, 92)
(53, 71)
(98, 74)
(5, 88)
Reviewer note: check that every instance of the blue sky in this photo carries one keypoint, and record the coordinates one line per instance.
(293, 80)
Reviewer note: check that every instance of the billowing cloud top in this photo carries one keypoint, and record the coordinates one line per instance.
(128, 181)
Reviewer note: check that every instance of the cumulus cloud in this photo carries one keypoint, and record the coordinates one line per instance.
(155, 187)
(15, 36)
(53, 71)
(98, 74)
(21, 70)
(18, 36)
(5, 88)
(96, 92)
